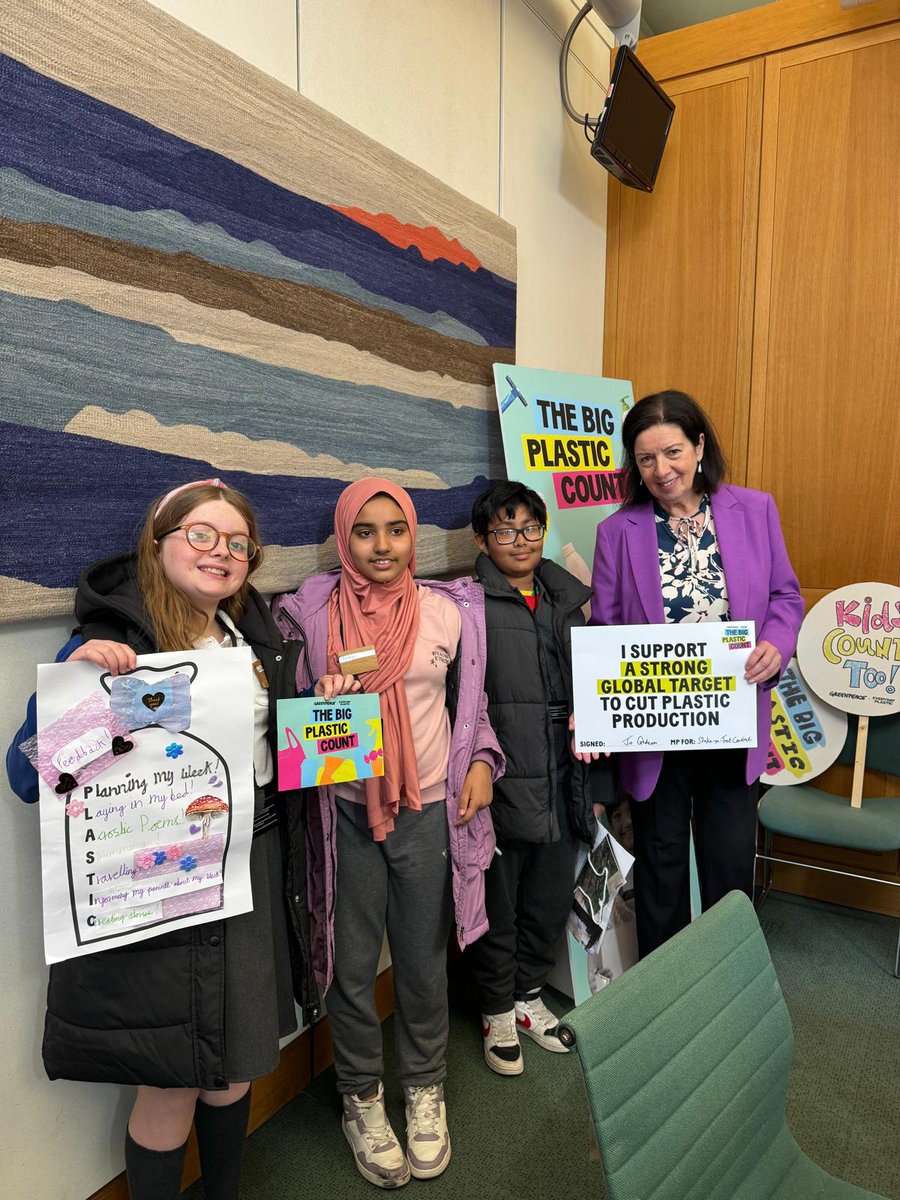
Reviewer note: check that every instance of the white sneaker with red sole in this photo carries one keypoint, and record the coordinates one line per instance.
(535, 1020)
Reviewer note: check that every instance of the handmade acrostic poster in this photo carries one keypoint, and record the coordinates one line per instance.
(151, 829)
(849, 649)
(329, 741)
(807, 734)
(663, 687)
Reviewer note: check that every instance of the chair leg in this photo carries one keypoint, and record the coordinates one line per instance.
(767, 872)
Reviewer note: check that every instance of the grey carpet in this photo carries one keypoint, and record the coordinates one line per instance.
(835, 966)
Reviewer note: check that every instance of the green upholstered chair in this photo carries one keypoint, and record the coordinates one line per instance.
(803, 811)
(686, 1059)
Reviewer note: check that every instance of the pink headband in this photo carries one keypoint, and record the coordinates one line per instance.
(216, 483)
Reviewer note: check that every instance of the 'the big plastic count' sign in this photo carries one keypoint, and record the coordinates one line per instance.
(807, 734)
(849, 649)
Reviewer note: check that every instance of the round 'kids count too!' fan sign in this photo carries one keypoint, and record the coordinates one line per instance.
(849, 649)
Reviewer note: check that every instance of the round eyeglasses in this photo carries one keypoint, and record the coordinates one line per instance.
(204, 537)
(506, 537)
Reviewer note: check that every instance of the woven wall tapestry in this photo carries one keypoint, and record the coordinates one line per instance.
(202, 273)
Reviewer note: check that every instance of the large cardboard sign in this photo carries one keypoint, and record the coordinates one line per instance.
(663, 687)
(849, 648)
(324, 742)
(562, 436)
(807, 734)
(146, 797)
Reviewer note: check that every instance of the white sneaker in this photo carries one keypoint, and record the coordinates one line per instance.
(427, 1136)
(535, 1020)
(378, 1154)
(502, 1051)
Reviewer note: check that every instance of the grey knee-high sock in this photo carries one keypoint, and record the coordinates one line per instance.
(153, 1174)
(220, 1139)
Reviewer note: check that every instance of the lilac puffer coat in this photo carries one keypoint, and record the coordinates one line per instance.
(305, 613)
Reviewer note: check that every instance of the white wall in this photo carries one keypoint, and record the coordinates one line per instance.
(468, 90)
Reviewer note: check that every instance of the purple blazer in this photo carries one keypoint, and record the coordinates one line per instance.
(762, 587)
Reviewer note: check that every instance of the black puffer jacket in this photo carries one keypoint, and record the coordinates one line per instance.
(517, 687)
(152, 1012)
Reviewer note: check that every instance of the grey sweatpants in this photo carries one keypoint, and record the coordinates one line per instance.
(402, 885)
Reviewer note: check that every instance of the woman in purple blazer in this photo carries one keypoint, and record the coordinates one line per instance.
(687, 547)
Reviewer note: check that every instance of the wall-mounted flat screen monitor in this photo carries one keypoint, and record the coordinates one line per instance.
(633, 127)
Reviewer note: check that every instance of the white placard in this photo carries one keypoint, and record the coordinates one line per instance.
(807, 734)
(663, 687)
(159, 838)
(849, 649)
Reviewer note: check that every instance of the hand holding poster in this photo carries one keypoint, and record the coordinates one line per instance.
(663, 687)
(329, 741)
(147, 797)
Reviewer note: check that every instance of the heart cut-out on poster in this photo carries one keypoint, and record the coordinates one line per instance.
(152, 700)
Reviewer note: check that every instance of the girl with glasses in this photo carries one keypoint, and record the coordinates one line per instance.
(190, 1016)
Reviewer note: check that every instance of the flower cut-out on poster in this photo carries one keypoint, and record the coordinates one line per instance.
(174, 853)
(174, 750)
(74, 808)
(144, 860)
(159, 857)
(188, 863)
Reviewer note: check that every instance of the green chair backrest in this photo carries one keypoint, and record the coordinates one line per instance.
(882, 748)
(686, 1060)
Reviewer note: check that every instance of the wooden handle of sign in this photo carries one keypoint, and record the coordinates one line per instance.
(859, 763)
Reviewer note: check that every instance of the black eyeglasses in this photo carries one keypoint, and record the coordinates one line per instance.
(506, 537)
(203, 537)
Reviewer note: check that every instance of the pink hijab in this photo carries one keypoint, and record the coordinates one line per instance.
(386, 615)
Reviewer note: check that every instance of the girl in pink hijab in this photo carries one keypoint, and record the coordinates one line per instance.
(402, 853)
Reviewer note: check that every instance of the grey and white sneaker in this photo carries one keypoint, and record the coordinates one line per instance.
(535, 1020)
(378, 1155)
(502, 1051)
(427, 1136)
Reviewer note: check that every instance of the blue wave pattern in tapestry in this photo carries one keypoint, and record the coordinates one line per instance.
(77, 167)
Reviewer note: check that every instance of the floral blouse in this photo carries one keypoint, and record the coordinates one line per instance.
(690, 567)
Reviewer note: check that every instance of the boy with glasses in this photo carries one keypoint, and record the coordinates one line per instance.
(542, 806)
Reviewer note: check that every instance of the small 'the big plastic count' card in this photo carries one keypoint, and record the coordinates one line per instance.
(329, 741)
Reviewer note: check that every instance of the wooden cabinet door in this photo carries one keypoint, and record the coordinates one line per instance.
(680, 261)
(825, 427)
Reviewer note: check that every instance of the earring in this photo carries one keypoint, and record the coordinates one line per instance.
(699, 466)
